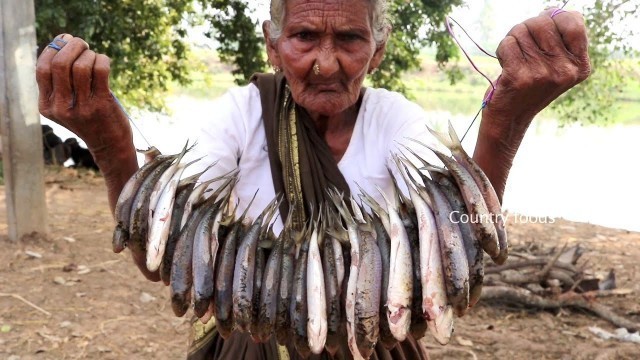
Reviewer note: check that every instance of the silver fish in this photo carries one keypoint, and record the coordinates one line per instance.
(316, 296)
(454, 258)
(435, 306)
(350, 296)
(400, 290)
(484, 184)
(367, 306)
(124, 204)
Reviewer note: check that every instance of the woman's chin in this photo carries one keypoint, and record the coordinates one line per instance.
(327, 105)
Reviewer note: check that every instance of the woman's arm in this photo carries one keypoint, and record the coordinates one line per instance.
(74, 92)
(541, 59)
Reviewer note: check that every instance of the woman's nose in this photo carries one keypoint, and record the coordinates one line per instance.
(327, 60)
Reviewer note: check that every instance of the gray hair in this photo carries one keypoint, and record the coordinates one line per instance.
(379, 24)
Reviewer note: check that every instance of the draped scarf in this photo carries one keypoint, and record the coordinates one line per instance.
(302, 165)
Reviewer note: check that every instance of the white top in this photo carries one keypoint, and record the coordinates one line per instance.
(233, 134)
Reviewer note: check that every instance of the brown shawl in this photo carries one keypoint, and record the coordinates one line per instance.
(302, 165)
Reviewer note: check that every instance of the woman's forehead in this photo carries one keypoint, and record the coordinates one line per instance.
(333, 12)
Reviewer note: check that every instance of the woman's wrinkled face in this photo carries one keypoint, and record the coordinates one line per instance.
(337, 36)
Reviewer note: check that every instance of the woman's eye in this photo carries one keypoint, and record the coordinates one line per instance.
(305, 35)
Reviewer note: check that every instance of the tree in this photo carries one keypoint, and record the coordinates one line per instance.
(146, 38)
(595, 100)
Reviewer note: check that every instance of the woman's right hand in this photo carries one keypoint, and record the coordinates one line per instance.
(74, 92)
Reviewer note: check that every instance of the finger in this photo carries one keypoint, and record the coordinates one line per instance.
(101, 70)
(511, 57)
(544, 32)
(61, 69)
(527, 45)
(82, 73)
(570, 25)
(43, 69)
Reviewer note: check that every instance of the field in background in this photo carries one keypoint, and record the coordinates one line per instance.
(429, 87)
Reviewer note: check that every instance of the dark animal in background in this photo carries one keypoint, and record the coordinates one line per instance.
(81, 157)
(54, 150)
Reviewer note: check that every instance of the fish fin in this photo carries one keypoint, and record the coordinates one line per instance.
(357, 210)
(444, 138)
(340, 205)
(455, 140)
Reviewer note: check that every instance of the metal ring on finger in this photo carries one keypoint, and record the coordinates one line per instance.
(55, 46)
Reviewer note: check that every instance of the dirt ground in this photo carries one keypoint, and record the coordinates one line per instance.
(89, 303)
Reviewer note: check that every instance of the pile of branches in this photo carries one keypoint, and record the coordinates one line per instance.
(552, 281)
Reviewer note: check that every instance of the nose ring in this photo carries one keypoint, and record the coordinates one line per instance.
(316, 69)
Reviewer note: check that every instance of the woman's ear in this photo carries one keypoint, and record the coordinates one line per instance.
(272, 50)
(378, 55)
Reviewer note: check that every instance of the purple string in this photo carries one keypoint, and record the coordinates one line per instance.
(470, 38)
(465, 52)
(489, 96)
(556, 12)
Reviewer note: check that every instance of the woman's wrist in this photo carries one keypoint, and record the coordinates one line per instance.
(498, 141)
(117, 163)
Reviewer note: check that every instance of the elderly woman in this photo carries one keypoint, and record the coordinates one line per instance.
(312, 124)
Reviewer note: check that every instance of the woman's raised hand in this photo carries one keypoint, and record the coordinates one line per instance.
(74, 92)
(541, 58)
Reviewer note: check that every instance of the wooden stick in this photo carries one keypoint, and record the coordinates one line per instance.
(526, 298)
(526, 264)
(18, 297)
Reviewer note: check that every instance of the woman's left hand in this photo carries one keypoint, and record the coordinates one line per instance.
(541, 59)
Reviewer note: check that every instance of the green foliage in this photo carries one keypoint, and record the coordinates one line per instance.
(144, 38)
(235, 31)
(415, 24)
(596, 100)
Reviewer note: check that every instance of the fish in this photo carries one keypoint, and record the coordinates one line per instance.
(316, 294)
(223, 302)
(174, 233)
(407, 212)
(204, 254)
(452, 142)
(435, 306)
(367, 304)
(472, 245)
(122, 211)
(138, 220)
(160, 217)
(254, 325)
(454, 258)
(350, 295)
(400, 290)
(185, 188)
(244, 272)
(285, 288)
(299, 305)
(182, 266)
(332, 291)
(476, 206)
(270, 286)
(384, 247)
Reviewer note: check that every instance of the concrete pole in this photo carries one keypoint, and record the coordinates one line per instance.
(20, 121)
